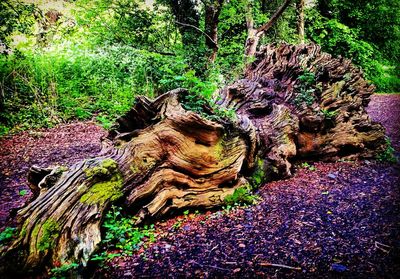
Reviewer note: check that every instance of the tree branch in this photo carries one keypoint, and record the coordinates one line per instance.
(274, 18)
(198, 29)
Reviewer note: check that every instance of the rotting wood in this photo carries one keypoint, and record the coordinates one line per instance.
(161, 157)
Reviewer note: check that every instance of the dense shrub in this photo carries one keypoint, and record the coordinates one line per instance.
(338, 39)
(48, 87)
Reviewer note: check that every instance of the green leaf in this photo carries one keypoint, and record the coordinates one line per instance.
(23, 192)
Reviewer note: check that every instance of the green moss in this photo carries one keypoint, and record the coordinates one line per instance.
(50, 232)
(285, 139)
(108, 182)
(106, 167)
(258, 176)
(142, 165)
(219, 149)
(337, 88)
(103, 191)
(135, 169)
(35, 232)
(23, 232)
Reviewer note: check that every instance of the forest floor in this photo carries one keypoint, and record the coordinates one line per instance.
(340, 220)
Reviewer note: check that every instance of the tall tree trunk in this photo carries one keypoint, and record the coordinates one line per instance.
(212, 12)
(255, 34)
(300, 20)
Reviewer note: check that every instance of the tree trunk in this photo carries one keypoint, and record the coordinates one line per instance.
(212, 11)
(161, 157)
(300, 20)
(254, 35)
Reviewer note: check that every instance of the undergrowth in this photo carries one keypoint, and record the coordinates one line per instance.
(65, 271)
(387, 155)
(44, 88)
(7, 235)
(122, 236)
(241, 196)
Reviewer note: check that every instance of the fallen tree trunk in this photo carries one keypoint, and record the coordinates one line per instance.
(161, 157)
(305, 104)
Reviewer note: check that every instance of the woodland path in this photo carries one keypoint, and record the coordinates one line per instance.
(333, 218)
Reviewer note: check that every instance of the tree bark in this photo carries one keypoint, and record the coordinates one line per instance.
(324, 120)
(160, 157)
(212, 12)
(255, 34)
(300, 20)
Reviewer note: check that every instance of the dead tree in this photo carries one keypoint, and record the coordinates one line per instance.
(161, 157)
(254, 34)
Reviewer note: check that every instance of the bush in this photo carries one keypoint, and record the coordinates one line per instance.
(44, 88)
(338, 39)
(6, 235)
(388, 154)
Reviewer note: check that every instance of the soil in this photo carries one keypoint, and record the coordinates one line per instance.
(385, 108)
(340, 220)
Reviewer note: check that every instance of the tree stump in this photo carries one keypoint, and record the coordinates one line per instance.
(293, 102)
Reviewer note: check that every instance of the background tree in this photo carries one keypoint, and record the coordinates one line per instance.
(254, 34)
(300, 21)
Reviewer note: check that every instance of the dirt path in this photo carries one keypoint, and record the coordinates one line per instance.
(385, 108)
(342, 216)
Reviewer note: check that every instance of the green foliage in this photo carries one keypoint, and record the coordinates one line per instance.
(23, 192)
(349, 34)
(388, 155)
(6, 235)
(258, 176)
(241, 196)
(45, 88)
(127, 22)
(329, 115)
(306, 165)
(120, 233)
(64, 271)
(377, 22)
(15, 17)
(305, 89)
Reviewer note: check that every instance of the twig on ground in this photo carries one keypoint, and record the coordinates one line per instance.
(381, 247)
(211, 266)
(266, 264)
